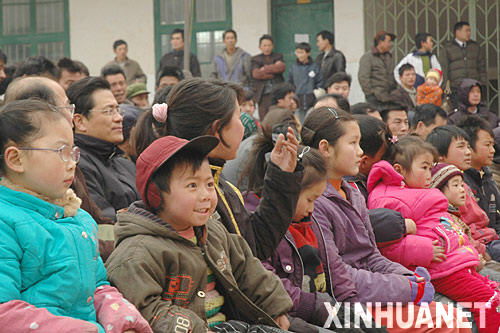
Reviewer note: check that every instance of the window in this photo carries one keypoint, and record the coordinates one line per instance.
(210, 19)
(34, 27)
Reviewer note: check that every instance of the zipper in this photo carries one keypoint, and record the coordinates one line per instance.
(300, 259)
(327, 259)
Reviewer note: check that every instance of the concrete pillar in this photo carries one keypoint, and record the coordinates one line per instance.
(251, 19)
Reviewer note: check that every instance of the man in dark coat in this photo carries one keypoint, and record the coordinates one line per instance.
(330, 60)
(267, 70)
(375, 73)
(176, 57)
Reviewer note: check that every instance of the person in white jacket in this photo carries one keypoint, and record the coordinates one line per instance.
(422, 59)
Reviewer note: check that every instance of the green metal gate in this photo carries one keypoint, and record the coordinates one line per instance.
(405, 18)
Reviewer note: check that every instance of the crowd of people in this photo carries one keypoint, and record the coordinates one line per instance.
(247, 202)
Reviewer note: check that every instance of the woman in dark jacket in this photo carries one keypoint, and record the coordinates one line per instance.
(211, 107)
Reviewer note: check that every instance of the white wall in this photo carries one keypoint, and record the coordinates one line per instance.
(96, 24)
(251, 19)
(349, 38)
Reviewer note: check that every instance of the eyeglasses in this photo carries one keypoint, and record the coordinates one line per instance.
(334, 113)
(68, 108)
(110, 111)
(66, 153)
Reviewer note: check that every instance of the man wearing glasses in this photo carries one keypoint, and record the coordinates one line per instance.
(110, 178)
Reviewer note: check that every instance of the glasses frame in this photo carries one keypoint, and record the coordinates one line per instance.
(110, 113)
(74, 151)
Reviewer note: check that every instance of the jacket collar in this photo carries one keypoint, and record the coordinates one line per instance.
(420, 53)
(479, 176)
(376, 52)
(103, 149)
(66, 206)
(216, 165)
(309, 61)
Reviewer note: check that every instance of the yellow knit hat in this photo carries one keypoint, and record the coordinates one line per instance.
(433, 73)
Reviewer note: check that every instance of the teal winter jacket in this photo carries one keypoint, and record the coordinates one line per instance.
(48, 260)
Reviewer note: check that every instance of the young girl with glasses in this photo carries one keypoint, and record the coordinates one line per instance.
(53, 279)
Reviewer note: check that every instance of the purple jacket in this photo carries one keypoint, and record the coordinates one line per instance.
(358, 271)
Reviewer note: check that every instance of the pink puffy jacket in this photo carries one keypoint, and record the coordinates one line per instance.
(428, 208)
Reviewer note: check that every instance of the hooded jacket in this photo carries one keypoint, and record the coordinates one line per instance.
(375, 75)
(485, 191)
(360, 272)
(264, 228)
(428, 208)
(239, 72)
(172, 273)
(463, 104)
(110, 178)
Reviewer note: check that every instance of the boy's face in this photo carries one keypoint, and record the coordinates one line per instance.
(408, 78)
(192, 197)
(302, 55)
(286, 102)
(342, 88)
(459, 154)
(266, 46)
(454, 191)
(484, 150)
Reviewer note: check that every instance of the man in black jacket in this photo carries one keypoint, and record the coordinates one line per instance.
(176, 57)
(330, 60)
(110, 178)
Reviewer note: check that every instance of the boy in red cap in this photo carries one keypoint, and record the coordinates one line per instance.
(174, 259)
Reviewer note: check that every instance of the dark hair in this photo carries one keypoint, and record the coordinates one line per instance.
(442, 136)
(194, 106)
(255, 169)
(384, 113)
(342, 102)
(177, 31)
(420, 38)
(32, 87)
(188, 158)
(161, 95)
(68, 65)
(169, 71)
(265, 36)
(325, 34)
(3, 57)
(314, 164)
(471, 125)
(324, 123)
(80, 93)
(280, 90)
(408, 148)
(459, 25)
(83, 68)
(303, 46)
(118, 43)
(9, 72)
(249, 96)
(361, 108)
(36, 65)
(404, 68)
(112, 69)
(373, 133)
(231, 31)
(339, 77)
(21, 121)
(427, 113)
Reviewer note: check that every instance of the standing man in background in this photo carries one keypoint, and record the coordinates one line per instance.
(132, 69)
(267, 70)
(330, 60)
(176, 57)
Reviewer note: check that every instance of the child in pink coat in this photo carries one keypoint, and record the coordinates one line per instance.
(439, 245)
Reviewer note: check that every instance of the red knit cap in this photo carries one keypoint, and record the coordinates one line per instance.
(442, 172)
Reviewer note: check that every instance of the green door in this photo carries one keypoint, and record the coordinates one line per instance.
(296, 21)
